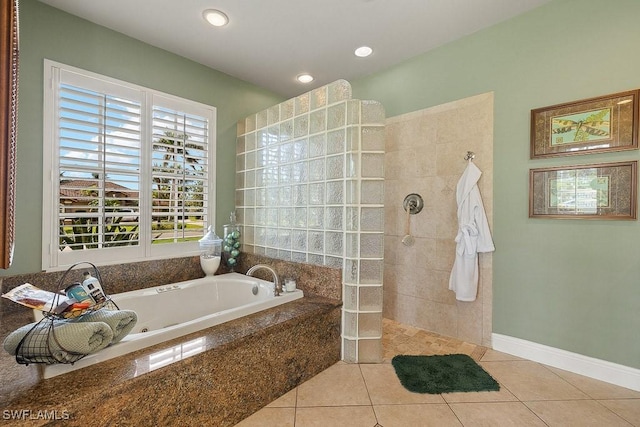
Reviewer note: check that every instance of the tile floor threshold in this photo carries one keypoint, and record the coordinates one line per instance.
(370, 395)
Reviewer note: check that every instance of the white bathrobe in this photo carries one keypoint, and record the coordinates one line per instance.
(473, 236)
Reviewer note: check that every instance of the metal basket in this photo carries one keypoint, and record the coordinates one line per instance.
(41, 344)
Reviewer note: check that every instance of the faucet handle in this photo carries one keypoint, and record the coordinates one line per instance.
(276, 281)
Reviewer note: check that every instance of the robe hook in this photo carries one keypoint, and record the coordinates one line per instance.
(470, 156)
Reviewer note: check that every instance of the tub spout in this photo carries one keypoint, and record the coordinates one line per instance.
(276, 283)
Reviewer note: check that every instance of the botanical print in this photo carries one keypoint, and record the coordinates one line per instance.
(597, 191)
(580, 190)
(588, 126)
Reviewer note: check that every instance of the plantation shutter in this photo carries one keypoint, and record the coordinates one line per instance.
(179, 172)
(99, 150)
(128, 171)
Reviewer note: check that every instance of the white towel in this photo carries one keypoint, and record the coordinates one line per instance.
(64, 344)
(121, 322)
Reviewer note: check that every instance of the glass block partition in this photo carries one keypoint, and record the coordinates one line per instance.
(309, 188)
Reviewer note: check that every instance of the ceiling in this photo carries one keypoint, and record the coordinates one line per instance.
(270, 42)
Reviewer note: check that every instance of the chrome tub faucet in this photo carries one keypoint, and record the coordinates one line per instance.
(276, 282)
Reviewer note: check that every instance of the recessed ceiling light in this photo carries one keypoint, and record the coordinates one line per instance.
(304, 78)
(363, 51)
(215, 17)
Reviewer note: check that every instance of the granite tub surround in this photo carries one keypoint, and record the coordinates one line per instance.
(216, 376)
(240, 367)
(116, 278)
(312, 279)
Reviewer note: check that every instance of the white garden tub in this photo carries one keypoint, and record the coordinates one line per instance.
(171, 311)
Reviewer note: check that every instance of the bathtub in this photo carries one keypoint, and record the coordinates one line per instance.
(171, 311)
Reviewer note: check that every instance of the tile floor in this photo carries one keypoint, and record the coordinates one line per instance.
(370, 395)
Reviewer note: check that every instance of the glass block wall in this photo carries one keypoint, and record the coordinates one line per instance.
(310, 188)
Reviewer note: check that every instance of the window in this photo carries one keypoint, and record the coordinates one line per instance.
(128, 171)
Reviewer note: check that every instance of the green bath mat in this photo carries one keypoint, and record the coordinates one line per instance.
(442, 374)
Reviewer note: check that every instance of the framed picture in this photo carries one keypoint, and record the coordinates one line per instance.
(607, 123)
(599, 191)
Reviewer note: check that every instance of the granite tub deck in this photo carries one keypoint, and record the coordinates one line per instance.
(246, 363)
(236, 368)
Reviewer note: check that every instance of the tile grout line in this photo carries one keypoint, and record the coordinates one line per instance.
(480, 352)
(295, 408)
(366, 386)
(524, 403)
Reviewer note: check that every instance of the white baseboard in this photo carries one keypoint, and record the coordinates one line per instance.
(602, 370)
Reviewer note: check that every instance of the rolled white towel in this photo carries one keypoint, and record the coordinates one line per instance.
(64, 344)
(121, 322)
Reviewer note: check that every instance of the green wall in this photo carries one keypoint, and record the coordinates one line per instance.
(46, 32)
(569, 284)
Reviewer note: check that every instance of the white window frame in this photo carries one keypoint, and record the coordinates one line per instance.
(52, 259)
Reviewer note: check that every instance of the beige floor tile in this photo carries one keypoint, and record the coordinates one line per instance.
(594, 388)
(494, 356)
(532, 381)
(384, 387)
(348, 394)
(578, 413)
(287, 400)
(629, 409)
(503, 395)
(341, 384)
(270, 417)
(352, 416)
(502, 414)
(423, 415)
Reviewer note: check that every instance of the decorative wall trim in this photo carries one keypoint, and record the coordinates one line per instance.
(598, 369)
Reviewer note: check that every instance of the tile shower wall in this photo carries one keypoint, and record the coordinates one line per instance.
(425, 153)
(310, 188)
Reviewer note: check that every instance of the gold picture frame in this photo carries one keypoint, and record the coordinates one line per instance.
(606, 123)
(9, 50)
(596, 191)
